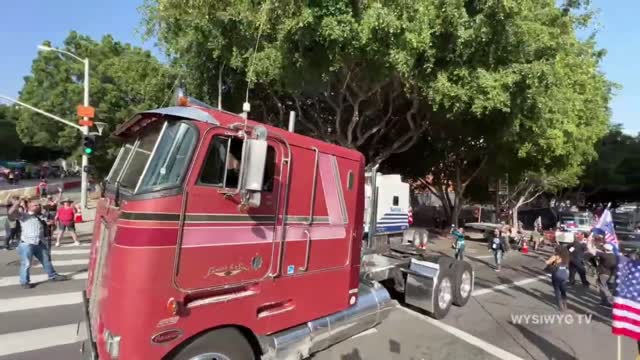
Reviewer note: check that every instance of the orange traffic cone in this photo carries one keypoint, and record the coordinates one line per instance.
(525, 247)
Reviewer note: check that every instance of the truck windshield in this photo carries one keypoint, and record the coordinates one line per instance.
(157, 159)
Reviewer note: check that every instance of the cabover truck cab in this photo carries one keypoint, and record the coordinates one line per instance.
(221, 238)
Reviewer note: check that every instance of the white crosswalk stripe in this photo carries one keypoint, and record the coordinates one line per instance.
(38, 339)
(70, 252)
(15, 280)
(41, 301)
(59, 263)
(54, 328)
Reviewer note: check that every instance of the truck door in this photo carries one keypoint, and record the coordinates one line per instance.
(222, 245)
(317, 237)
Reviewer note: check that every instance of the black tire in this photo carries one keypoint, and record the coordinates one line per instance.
(445, 263)
(439, 311)
(462, 272)
(228, 343)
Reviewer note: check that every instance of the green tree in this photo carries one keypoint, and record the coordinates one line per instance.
(617, 165)
(11, 144)
(481, 85)
(527, 99)
(123, 80)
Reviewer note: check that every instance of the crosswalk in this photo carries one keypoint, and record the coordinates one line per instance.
(41, 323)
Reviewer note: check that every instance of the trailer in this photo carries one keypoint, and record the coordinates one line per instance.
(218, 237)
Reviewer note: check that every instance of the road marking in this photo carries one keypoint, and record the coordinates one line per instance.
(15, 280)
(66, 263)
(23, 341)
(70, 252)
(483, 257)
(477, 342)
(82, 244)
(485, 291)
(41, 301)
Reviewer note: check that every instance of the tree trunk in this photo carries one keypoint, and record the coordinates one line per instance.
(514, 216)
(455, 216)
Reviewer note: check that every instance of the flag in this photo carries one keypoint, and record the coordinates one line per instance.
(626, 304)
(605, 223)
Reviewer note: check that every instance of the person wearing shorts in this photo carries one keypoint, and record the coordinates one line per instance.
(65, 217)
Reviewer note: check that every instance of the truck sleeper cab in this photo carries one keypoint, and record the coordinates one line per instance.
(218, 235)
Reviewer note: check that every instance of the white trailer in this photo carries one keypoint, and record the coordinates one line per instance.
(388, 204)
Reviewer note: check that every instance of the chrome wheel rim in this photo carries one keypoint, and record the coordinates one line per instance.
(211, 356)
(465, 284)
(444, 297)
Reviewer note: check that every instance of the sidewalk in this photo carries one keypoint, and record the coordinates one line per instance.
(32, 190)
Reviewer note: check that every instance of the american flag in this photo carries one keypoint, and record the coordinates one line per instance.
(626, 304)
(606, 224)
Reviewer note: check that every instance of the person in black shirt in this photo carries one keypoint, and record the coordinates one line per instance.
(576, 264)
(606, 269)
(558, 264)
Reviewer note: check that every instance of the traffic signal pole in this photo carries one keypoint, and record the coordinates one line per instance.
(85, 131)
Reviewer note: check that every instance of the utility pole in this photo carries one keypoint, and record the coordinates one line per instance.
(86, 120)
(85, 131)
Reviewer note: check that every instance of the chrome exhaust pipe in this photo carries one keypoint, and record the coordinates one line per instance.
(373, 305)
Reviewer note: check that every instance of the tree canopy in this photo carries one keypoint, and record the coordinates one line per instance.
(123, 79)
(11, 144)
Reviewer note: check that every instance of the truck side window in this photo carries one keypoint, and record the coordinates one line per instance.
(396, 201)
(222, 166)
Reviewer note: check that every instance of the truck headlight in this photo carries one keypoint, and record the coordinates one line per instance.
(112, 343)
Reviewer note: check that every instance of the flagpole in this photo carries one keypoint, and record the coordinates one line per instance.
(619, 347)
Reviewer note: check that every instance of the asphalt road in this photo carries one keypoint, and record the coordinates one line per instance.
(486, 327)
(41, 323)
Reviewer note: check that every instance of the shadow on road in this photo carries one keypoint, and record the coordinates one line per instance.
(551, 351)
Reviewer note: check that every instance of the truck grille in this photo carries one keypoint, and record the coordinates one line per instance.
(101, 255)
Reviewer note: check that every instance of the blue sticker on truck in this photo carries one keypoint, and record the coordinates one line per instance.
(290, 269)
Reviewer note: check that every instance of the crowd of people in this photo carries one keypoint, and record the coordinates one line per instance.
(567, 260)
(33, 223)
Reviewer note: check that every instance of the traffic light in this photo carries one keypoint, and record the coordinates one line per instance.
(89, 144)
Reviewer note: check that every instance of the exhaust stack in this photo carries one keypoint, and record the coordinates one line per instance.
(292, 121)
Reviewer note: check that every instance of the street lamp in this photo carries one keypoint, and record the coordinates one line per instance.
(85, 129)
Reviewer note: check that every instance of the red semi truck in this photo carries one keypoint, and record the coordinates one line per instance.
(221, 238)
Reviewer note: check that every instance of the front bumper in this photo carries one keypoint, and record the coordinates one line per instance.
(88, 348)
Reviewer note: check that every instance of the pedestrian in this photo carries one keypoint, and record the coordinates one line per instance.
(458, 242)
(12, 177)
(607, 263)
(536, 238)
(50, 211)
(537, 224)
(65, 217)
(498, 247)
(577, 251)
(32, 241)
(42, 186)
(557, 265)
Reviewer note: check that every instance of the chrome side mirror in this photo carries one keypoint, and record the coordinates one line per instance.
(253, 165)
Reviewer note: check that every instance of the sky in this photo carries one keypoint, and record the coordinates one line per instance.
(26, 23)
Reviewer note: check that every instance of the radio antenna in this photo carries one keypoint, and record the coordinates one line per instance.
(246, 107)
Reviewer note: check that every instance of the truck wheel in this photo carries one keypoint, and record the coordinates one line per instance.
(443, 296)
(222, 344)
(463, 281)
(445, 263)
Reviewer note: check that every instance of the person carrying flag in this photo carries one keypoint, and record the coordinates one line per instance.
(605, 226)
